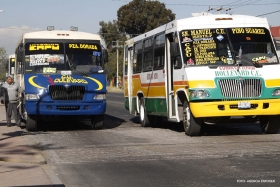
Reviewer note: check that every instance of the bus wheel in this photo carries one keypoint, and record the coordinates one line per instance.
(97, 122)
(144, 120)
(31, 123)
(191, 124)
(270, 124)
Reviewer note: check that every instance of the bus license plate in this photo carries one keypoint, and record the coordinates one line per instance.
(244, 105)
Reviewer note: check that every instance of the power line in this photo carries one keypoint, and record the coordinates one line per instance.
(207, 5)
(242, 4)
(234, 2)
(255, 4)
(222, 7)
(268, 13)
(249, 2)
(20, 29)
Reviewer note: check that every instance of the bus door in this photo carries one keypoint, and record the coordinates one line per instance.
(171, 109)
(129, 78)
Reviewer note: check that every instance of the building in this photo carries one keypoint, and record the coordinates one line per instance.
(275, 31)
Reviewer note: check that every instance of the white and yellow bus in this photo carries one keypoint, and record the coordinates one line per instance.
(204, 69)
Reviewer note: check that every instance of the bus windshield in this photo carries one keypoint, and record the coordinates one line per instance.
(227, 46)
(46, 57)
(85, 57)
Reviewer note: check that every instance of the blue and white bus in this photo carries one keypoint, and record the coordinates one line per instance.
(62, 76)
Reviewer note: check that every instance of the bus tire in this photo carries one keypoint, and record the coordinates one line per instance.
(144, 118)
(270, 125)
(31, 123)
(192, 125)
(97, 122)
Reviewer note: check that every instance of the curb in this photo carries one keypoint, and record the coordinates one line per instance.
(114, 89)
(7, 159)
(39, 158)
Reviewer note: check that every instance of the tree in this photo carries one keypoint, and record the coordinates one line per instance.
(3, 62)
(140, 16)
(135, 18)
(110, 32)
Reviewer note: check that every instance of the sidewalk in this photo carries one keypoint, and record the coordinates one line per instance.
(114, 89)
(20, 163)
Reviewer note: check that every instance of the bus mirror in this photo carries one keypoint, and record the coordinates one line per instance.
(20, 52)
(19, 71)
(174, 49)
(178, 62)
(105, 55)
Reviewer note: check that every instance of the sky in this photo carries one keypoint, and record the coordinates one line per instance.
(21, 16)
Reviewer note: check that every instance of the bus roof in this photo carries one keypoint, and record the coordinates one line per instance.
(12, 56)
(206, 21)
(221, 21)
(61, 34)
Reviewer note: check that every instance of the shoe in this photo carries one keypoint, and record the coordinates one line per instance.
(9, 125)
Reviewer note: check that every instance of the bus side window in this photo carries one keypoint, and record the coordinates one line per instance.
(18, 67)
(137, 64)
(126, 60)
(148, 55)
(178, 62)
(159, 52)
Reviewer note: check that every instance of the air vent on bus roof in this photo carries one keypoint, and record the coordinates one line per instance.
(50, 28)
(218, 19)
(72, 28)
(62, 34)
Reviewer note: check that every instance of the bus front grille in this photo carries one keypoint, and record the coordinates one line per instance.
(60, 92)
(233, 88)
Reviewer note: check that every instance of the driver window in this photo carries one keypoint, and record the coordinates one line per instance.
(96, 60)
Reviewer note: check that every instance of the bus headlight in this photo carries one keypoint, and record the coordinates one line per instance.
(32, 97)
(276, 92)
(99, 97)
(199, 93)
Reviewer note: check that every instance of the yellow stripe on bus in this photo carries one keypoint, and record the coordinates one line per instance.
(202, 84)
(158, 89)
(272, 83)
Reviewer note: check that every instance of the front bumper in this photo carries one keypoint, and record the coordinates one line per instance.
(229, 108)
(76, 109)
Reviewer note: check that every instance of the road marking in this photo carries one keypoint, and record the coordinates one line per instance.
(114, 102)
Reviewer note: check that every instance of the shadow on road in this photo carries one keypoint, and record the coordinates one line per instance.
(110, 122)
(211, 130)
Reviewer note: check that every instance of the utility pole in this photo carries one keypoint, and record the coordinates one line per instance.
(117, 46)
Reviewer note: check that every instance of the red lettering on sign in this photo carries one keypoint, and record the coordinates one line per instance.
(155, 76)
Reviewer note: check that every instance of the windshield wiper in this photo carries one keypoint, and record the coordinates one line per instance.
(255, 63)
(71, 65)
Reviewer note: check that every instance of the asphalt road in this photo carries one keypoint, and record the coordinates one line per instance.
(125, 154)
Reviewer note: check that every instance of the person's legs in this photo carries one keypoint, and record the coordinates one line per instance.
(16, 114)
(8, 107)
